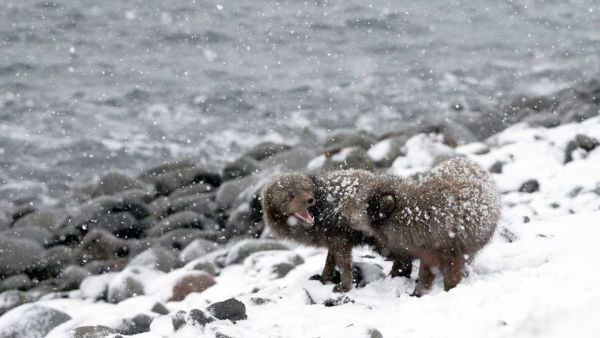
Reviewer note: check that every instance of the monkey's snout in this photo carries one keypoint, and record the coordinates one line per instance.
(310, 201)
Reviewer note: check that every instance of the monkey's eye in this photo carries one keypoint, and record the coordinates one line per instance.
(289, 198)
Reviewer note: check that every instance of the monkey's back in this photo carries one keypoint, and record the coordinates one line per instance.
(454, 207)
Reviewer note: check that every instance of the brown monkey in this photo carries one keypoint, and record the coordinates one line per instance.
(442, 217)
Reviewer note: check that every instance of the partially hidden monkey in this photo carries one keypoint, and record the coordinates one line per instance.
(443, 217)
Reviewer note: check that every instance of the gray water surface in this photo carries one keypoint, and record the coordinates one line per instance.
(89, 86)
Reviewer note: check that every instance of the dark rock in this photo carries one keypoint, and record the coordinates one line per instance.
(157, 258)
(194, 282)
(348, 158)
(181, 238)
(16, 282)
(241, 167)
(172, 180)
(120, 289)
(197, 248)
(546, 120)
(110, 265)
(200, 318)
(231, 309)
(350, 139)
(524, 106)
(97, 331)
(580, 142)
(239, 251)
(496, 168)
(282, 269)
(72, 276)
(338, 301)
(39, 235)
(530, 186)
(585, 142)
(159, 208)
(208, 267)
(160, 309)
(203, 204)
(31, 321)
(180, 220)
(53, 261)
(292, 160)
(231, 192)
(179, 320)
(454, 133)
(18, 255)
(260, 300)
(388, 150)
(244, 221)
(374, 333)
(192, 190)
(49, 219)
(150, 174)
(95, 267)
(113, 183)
(110, 213)
(141, 196)
(122, 224)
(22, 211)
(101, 245)
(266, 149)
(508, 235)
(138, 324)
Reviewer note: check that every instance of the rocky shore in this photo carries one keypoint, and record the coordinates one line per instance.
(147, 248)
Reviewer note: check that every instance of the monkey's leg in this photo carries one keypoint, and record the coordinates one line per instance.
(402, 267)
(343, 260)
(328, 269)
(425, 280)
(452, 268)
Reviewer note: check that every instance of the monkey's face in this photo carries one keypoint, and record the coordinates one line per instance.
(294, 196)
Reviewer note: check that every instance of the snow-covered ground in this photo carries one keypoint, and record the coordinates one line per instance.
(537, 278)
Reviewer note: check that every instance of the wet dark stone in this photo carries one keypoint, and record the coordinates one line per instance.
(266, 149)
(231, 309)
(178, 320)
(199, 317)
(350, 139)
(202, 203)
(138, 324)
(496, 168)
(113, 183)
(160, 309)
(374, 333)
(530, 186)
(241, 167)
(180, 220)
(337, 301)
(97, 331)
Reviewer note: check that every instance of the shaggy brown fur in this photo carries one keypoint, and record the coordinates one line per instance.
(442, 216)
(307, 208)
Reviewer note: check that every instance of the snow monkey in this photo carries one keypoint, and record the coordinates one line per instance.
(442, 216)
(308, 208)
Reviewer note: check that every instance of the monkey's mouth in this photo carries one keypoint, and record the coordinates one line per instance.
(305, 216)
